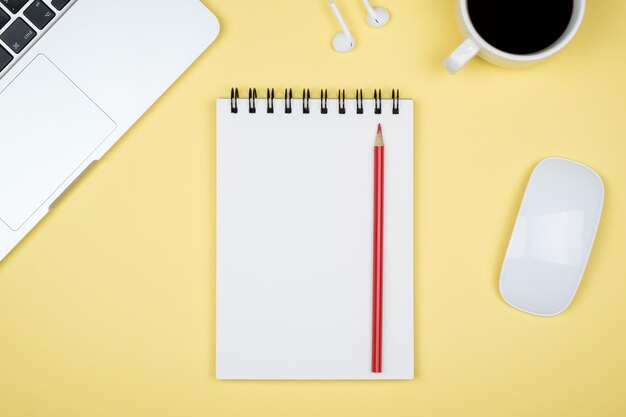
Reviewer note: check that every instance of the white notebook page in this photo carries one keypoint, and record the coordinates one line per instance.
(294, 242)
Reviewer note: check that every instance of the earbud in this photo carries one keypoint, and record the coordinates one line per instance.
(376, 16)
(343, 41)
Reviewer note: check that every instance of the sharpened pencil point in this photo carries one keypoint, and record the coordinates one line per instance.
(379, 136)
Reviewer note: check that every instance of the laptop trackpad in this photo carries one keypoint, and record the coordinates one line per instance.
(48, 128)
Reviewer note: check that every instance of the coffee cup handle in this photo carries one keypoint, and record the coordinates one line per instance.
(461, 56)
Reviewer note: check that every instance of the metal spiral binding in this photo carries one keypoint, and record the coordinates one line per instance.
(234, 96)
(395, 98)
(378, 105)
(252, 100)
(306, 101)
(270, 101)
(359, 101)
(288, 98)
(342, 101)
(324, 101)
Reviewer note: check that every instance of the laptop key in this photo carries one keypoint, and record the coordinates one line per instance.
(5, 58)
(4, 18)
(14, 5)
(18, 35)
(39, 14)
(58, 4)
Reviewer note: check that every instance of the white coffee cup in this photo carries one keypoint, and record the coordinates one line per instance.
(474, 44)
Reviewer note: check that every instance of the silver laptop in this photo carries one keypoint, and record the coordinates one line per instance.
(74, 76)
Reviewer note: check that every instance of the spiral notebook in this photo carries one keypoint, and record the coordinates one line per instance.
(294, 237)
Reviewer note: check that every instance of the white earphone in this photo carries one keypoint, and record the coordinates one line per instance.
(343, 41)
(376, 16)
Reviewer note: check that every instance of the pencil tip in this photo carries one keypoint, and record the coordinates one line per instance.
(379, 136)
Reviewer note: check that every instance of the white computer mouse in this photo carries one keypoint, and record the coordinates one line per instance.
(552, 238)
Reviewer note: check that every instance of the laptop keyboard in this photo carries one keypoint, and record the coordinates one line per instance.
(22, 23)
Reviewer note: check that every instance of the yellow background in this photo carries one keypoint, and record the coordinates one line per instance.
(107, 307)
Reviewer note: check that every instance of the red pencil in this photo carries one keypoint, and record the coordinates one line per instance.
(379, 199)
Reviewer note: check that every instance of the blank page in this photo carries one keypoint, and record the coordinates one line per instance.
(294, 241)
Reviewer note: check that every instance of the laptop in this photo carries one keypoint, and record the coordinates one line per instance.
(75, 75)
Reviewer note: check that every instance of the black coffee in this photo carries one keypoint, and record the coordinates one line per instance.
(520, 26)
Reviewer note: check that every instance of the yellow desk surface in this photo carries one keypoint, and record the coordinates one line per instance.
(107, 307)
